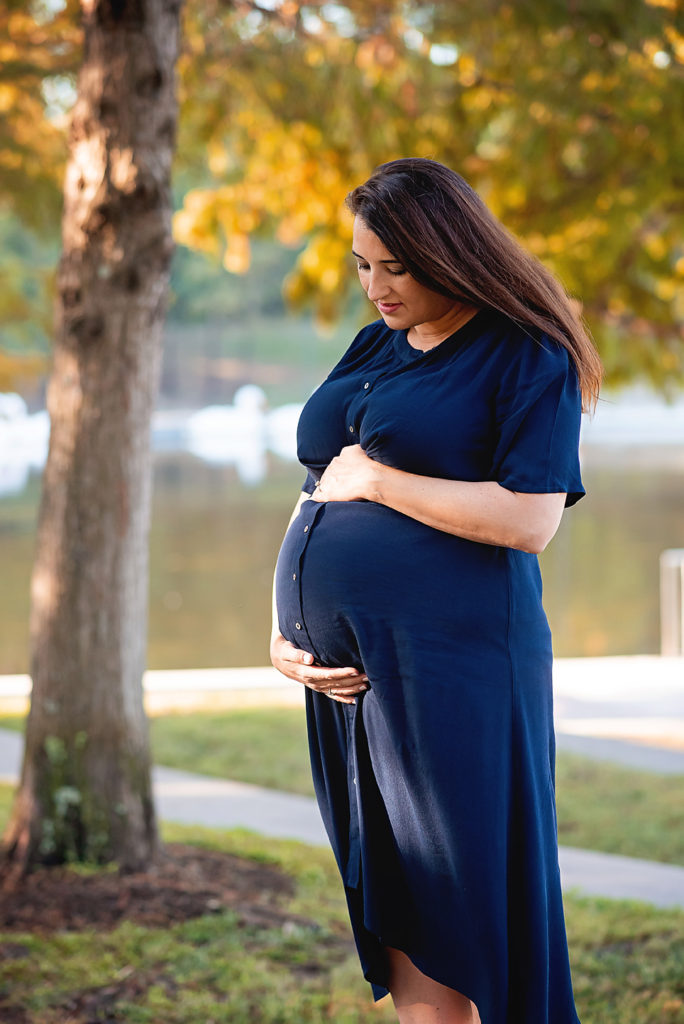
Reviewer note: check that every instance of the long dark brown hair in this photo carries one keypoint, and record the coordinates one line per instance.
(444, 235)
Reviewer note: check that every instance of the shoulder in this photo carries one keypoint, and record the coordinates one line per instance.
(370, 335)
(369, 342)
(528, 368)
(523, 353)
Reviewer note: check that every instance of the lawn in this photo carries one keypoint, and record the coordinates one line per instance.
(601, 806)
(628, 959)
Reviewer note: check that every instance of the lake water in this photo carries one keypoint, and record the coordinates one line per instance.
(214, 542)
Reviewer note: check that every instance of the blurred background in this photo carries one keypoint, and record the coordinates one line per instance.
(565, 117)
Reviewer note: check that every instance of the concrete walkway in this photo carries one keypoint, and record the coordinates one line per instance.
(199, 800)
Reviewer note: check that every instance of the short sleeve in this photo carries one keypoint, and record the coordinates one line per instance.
(537, 451)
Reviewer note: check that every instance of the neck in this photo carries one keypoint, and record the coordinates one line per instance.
(434, 332)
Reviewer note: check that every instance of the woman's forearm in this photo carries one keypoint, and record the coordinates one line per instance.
(482, 511)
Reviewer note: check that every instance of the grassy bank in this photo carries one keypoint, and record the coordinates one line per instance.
(601, 806)
(628, 959)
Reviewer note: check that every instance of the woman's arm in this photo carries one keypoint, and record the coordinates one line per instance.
(482, 511)
(340, 684)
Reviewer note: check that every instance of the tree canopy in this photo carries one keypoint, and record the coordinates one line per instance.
(38, 56)
(564, 116)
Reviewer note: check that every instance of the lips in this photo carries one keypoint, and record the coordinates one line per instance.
(388, 307)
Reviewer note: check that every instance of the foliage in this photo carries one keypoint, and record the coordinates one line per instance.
(26, 293)
(564, 118)
(202, 291)
(40, 45)
(38, 56)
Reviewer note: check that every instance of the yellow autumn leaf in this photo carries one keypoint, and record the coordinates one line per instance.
(236, 258)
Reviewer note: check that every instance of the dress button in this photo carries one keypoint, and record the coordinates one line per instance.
(294, 575)
(366, 385)
(298, 625)
(351, 429)
(306, 528)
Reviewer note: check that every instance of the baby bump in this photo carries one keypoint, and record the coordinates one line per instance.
(352, 574)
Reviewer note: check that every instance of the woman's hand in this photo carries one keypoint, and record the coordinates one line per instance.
(351, 476)
(340, 684)
(479, 510)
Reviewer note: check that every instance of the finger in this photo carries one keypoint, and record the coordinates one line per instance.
(341, 696)
(349, 692)
(292, 653)
(345, 689)
(340, 675)
(331, 676)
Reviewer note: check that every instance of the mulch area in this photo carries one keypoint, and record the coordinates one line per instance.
(187, 882)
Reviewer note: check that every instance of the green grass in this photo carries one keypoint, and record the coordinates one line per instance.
(209, 970)
(628, 959)
(267, 747)
(601, 806)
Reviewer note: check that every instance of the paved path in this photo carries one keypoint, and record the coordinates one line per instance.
(199, 800)
(660, 760)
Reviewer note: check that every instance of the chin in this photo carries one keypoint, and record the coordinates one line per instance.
(395, 320)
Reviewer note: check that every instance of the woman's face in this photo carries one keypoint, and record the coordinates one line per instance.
(401, 301)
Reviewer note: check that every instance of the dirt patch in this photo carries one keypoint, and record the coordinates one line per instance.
(187, 882)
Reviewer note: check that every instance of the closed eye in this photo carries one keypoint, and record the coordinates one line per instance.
(394, 273)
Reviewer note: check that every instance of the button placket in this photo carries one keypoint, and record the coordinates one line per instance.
(309, 515)
(355, 407)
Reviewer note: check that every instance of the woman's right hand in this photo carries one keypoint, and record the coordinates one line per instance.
(340, 684)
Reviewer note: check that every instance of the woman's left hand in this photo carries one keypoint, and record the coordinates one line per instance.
(351, 476)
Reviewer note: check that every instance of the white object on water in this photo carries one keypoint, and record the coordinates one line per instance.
(24, 442)
(281, 429)
(232, 434)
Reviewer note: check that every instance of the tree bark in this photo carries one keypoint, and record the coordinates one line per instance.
(85, 791)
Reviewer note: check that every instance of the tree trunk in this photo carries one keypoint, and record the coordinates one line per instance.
(85, 791)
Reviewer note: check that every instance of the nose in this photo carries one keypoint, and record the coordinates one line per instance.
(378, 285)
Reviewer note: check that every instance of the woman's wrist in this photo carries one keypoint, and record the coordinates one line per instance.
(380, 483)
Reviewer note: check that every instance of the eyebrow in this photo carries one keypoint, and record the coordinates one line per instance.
(379, 261)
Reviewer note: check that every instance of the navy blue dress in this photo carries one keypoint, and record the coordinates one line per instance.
(437, 785)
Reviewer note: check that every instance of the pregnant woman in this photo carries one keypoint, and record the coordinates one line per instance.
(441, 451)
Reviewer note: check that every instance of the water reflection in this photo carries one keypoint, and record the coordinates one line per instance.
(239, 434)
(214, 541)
